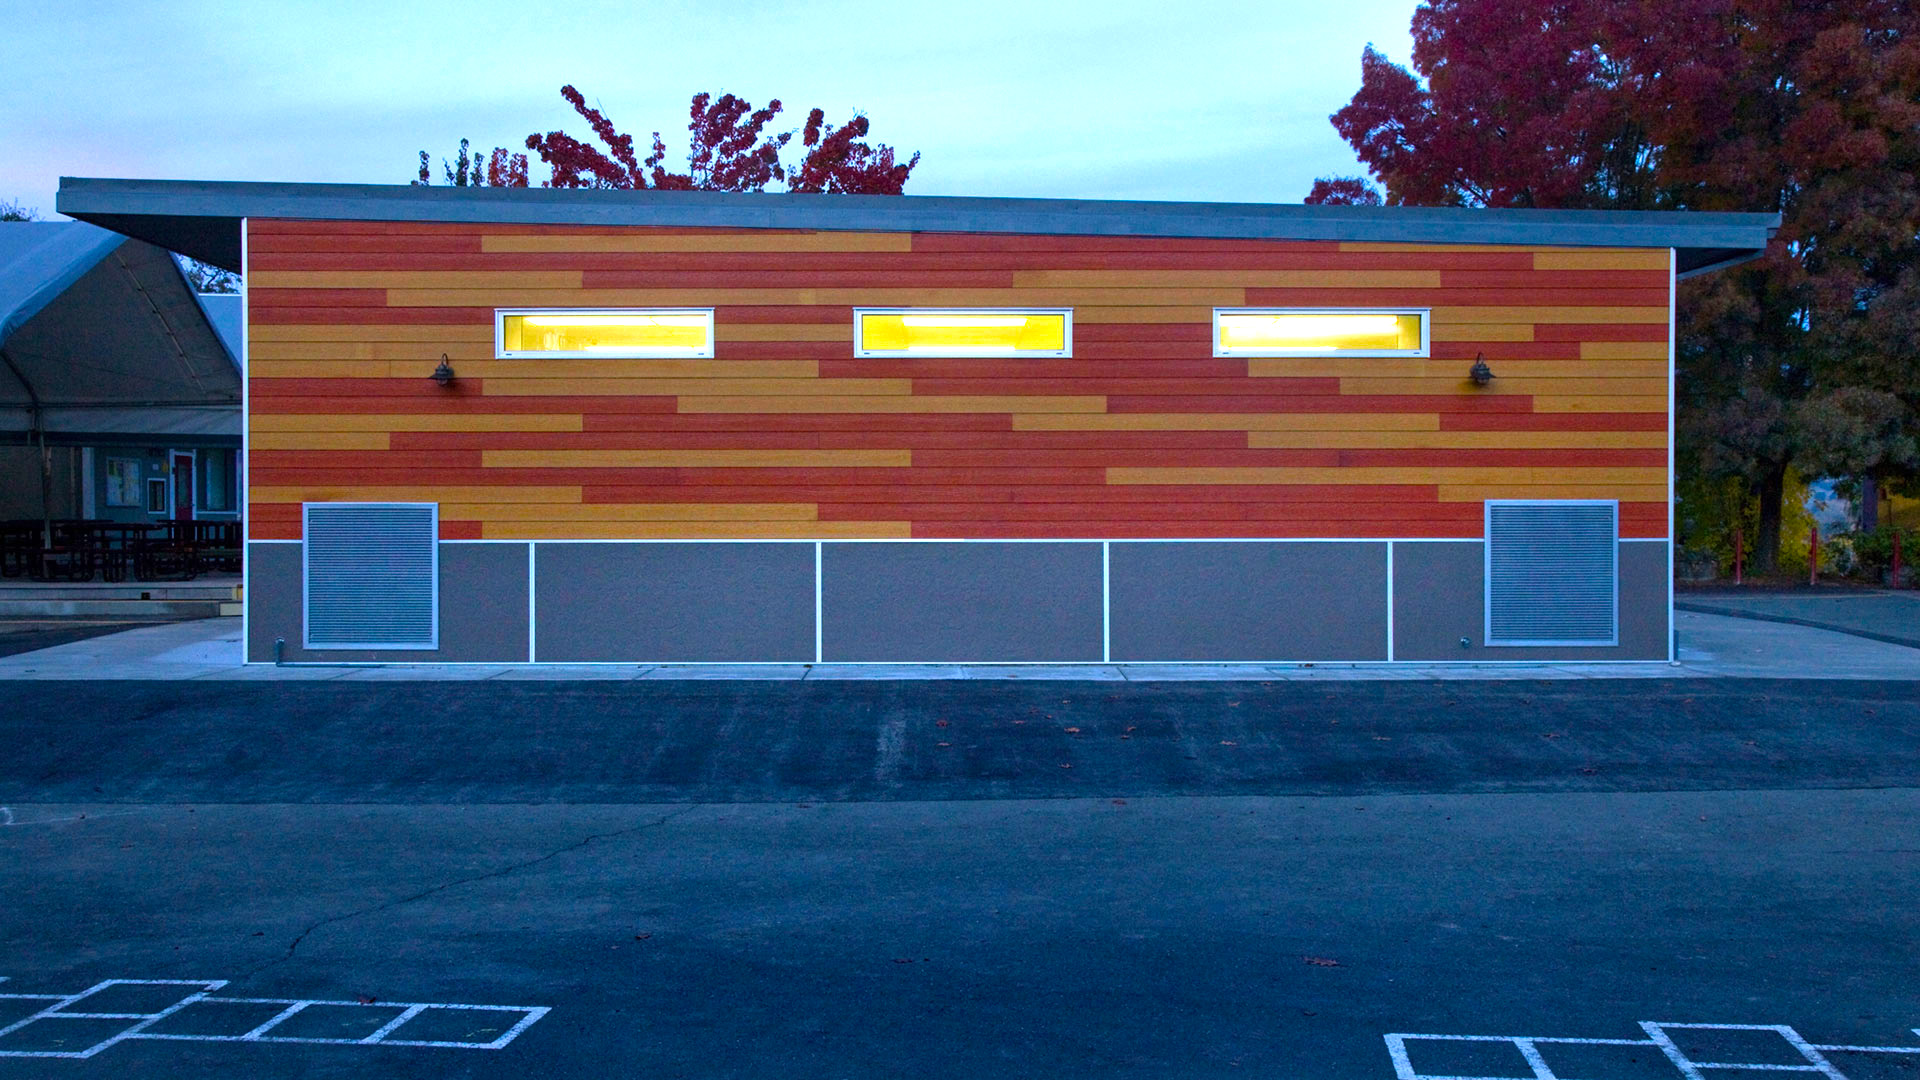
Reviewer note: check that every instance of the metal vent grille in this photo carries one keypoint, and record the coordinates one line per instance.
(372, 575)
(1552, 573)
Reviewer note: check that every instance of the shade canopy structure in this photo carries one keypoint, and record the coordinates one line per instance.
(102, 338)
(203, 218)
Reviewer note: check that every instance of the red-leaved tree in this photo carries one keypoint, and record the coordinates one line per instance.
(1805, 356)
(730, 149)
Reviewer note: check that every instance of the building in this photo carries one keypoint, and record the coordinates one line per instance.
(119, 396)
(586, 426)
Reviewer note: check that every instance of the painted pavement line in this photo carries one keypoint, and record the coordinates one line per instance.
(59, 1009)
(1813, 1055)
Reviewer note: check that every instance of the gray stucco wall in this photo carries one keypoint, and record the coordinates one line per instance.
(1439, 598)
(983, 602)
(677, 603)
(1248, 601)
(961, 602)
(483, 606)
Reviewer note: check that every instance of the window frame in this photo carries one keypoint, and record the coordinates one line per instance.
(861, 352)
(501, 352)
(1424, 350)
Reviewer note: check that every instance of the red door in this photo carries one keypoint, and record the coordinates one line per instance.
(183, 487)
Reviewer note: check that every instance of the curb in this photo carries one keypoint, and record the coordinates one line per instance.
(1737, 613)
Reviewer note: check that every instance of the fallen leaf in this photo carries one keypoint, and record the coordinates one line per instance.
(1119, 802)
(940, 723)
(641, 937)
(1228, 742)
(365, 999)
(1064, 765)
(943, 744)
(1073, 731)
(1321, 961)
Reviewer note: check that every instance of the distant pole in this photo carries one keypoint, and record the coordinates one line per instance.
(1813, 555)
(1739, 553)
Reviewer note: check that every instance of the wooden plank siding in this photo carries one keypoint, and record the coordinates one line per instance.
(1142, 433)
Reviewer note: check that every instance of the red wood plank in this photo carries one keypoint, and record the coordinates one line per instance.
(262, 315)
(1030, 442)
(1444, 297)
(803, 279)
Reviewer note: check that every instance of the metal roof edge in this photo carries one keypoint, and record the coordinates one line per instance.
(124, 203)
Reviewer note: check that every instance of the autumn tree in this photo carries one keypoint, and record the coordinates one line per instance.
(1809, 110)
(731, 147)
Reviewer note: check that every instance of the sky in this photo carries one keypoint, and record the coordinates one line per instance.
(1170, 99)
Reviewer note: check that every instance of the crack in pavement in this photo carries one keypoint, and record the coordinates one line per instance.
(294, 945)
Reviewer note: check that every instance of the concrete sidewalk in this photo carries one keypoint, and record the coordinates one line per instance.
(1710, 646)
(1875, 614)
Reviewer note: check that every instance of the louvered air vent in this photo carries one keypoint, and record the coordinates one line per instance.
(372, 576)
(1552, 573)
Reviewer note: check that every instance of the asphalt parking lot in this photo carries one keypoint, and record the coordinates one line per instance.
(800, 880)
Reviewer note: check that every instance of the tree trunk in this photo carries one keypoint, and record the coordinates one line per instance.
(1869, 503)
(1766, 544)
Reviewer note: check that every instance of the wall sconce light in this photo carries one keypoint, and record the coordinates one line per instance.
(1480, 373)
(444, 373)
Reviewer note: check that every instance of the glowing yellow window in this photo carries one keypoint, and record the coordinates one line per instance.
(967, 332)
(605, 333)
(1299, 332)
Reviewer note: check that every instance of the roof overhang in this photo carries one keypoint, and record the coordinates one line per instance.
(202, 218)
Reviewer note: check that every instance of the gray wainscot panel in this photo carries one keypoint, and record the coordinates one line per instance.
(961, 602)
(483, 607)
(674, 603)
(1439, 598)
(1248, 601)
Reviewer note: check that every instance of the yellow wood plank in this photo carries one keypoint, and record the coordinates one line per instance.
(415, 422)
(474, 352)
(695, 459)
(923, 403)
(436, 333)
(1506, 384)
(903, 297)
(1228, 279)
(1481, 331)
(767, 241)
(1434, 474)
(1415, 368)
(1602, 259)
(1656, 493)
(415, 279)
(1549, 403)
(1458, 440)
(1624, 350)
(1319, 422)
(1462, 316)
(772, 388)
(691, 530)
(632, 512)
(322, 369)
(317, 440)
(489, 493)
